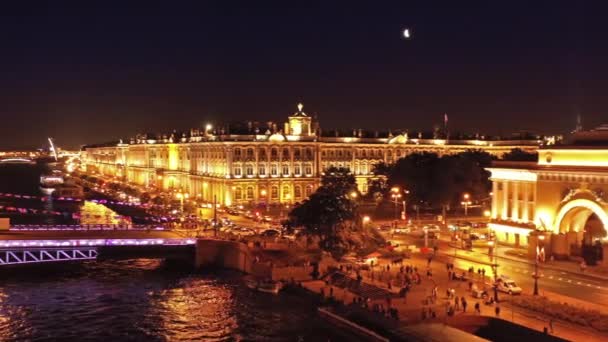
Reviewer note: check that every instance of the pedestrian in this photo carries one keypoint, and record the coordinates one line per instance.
(583, 266)
(483, 272)
(470, 285)
(497, 310)
(448, 293)
(456, 303)
(477, 310)
(464, 304)
(551, 325)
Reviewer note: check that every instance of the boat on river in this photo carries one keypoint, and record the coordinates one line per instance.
(264, 285)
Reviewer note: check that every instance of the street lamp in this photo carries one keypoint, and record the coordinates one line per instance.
(353, 195)
(494, 268)
(366, 219)
(466, 201)
(538, 241)
(395, 196)
(263, 194)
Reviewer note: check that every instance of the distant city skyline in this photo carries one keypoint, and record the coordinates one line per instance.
(85, 73)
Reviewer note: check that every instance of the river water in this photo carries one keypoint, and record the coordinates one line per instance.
(143, 300)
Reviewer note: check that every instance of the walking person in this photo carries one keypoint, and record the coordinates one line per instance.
(463, 301)
(497, 310)
(551, 325)
(456, 303)
(477, 309)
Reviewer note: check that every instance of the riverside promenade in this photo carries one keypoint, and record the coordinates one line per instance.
(418, 306)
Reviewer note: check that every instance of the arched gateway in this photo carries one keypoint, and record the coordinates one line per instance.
(563, 196)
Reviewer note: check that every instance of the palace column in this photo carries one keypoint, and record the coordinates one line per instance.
(494, 199)
(505, 200)
(525, 214)
(515, 209)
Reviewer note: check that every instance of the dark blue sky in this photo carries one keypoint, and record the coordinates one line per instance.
(86, 73)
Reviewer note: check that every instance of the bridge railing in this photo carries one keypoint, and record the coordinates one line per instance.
(54, 243)
(87, 227)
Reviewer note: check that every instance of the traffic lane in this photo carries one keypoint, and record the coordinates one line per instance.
(548, 281)
(569, 284)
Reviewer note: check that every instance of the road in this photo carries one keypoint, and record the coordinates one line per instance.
(574, 285)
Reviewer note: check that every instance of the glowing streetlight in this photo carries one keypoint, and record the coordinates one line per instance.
(466, 202)
(366, 219)
(208, 128)
(487, 213)
(353, 195)
(263, 192)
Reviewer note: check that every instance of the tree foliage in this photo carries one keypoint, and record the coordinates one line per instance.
(517, 154)
(326, 211)
(441, 181)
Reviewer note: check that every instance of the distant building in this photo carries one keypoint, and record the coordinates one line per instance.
(563, 195)
(253, 163)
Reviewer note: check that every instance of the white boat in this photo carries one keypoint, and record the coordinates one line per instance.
(267, 286)
(68, 191)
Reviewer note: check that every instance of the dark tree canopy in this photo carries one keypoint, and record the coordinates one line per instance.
(324, 213)
(440, 181)
(517, 154)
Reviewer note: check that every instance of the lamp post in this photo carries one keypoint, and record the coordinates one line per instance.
(538, 241)
(466, 201)
(263, 194)
(395, 196)
(492, 246)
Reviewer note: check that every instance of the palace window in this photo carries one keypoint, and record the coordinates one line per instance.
(297, 191)
(273, 170)
(262, 170)
(297, 170)
(308, 190)
(238, 193)
(285, 154)
(249, 192)
(237, 153)
(308, 169)
(262, 154)
(274, 153)
(308, 153)
(286, 194)
(274, 192)
(249, 153)
(237, 171)
(249, 170)
(285, 170)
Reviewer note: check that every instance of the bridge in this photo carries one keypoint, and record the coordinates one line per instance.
(17, 161)
(41, 244)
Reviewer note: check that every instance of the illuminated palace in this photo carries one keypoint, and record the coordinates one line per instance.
(562, 197)
(269, 164)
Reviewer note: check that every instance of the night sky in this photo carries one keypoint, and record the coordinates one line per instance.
(87, 73)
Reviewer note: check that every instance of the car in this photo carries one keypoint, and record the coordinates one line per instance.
(505, 284)
(402, 230)
(479, 293)
(385, 227)
(242, 231)
(431, 228)
(271, 233)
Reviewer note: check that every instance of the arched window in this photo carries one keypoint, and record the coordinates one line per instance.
(262, 154)
(249, 169)
(237, 153)
(274, 153)
(274, 192)
(297, 191)
(286, 192)
(250, 153)
(238, 193)
(285, 170)
(309, 153)
(308, 190)
(249, 192)
(285, 154)
(296, 153)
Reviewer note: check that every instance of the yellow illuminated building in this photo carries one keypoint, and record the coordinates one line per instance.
(267, 165)
(562, 195)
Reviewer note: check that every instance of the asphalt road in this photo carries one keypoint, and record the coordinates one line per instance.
(574, 285)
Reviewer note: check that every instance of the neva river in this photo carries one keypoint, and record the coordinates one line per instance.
(141, 299)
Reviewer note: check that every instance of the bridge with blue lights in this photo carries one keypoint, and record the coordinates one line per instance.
(41, 244)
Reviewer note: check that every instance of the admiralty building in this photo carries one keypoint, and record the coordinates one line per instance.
(266, 163)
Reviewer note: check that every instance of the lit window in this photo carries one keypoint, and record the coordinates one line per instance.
(249, 170)
(297, 191)
(237, 171)
(250, 192)
(273, 170)
(285, 170)
(308, 169)
(297, 170)
(238, 193)
(274, 192)
(262, 170)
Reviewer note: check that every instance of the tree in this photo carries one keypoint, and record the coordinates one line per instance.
(325, 213)
(517, 154)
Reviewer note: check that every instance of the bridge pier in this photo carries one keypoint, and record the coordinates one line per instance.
(223, 254)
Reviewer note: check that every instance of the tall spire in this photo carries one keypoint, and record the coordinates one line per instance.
(579, 125)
